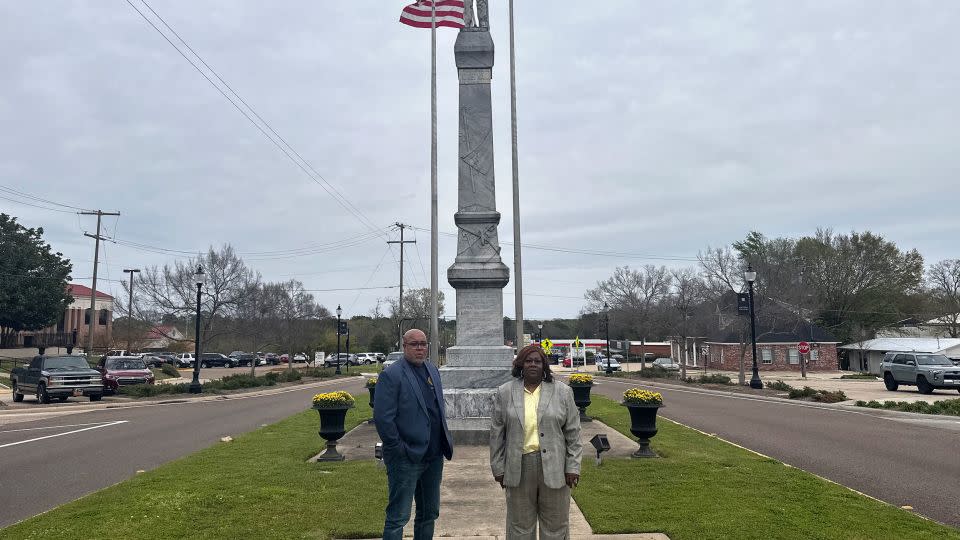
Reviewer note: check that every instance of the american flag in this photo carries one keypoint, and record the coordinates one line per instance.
(449, 13)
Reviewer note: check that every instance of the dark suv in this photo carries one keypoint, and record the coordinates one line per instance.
(216, 360)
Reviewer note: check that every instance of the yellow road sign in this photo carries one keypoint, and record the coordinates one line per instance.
(546, 345)
(576, 342)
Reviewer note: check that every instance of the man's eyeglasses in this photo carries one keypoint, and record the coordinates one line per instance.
(416, 344)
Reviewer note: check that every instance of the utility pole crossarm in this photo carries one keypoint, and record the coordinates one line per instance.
(401, 242)
(96, 261)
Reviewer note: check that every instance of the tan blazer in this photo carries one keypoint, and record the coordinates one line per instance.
(558, 423)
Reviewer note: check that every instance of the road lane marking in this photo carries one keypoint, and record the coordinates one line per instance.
(52, 427)
(65, 433)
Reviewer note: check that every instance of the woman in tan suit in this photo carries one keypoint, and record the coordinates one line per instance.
(535, 448)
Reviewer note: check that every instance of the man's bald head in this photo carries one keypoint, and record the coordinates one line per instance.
(415, 346)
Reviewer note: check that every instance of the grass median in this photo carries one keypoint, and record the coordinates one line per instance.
(705, 488)
(258, 486)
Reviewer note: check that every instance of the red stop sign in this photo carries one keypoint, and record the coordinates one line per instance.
(803, 347)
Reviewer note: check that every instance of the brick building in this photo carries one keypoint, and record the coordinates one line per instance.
(74, 322)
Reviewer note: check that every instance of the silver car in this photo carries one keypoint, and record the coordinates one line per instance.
(926, 371)
(392, 358)
(666, 363)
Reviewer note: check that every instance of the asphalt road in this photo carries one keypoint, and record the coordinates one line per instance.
(48, 462)
(900, 459)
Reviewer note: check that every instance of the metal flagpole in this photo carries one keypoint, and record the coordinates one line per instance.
(434, 280)
(517, 274)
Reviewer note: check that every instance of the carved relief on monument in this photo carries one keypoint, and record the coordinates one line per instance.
(476, 15)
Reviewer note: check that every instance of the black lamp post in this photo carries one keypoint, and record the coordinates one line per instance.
(339, 311)
(195, 387)
(606, 328)
(751, 275)
(539, 332)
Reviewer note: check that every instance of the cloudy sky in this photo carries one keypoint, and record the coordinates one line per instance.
(647, 130)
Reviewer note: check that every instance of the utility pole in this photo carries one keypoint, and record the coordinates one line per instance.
(130, 308)
(803, 362)
(400, 305)
(96, 260)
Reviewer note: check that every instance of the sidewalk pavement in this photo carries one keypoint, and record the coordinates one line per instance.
(472, 504)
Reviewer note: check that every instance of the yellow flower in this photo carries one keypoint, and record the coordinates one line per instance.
(333, 399)
(371, 382)
(636, 396)
(581, 378)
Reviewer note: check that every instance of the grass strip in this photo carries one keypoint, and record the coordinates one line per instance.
(258, 486)
(704, 488)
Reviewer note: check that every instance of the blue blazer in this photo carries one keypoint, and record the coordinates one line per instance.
(400, 412)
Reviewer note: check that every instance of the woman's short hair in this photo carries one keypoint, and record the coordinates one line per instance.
(524, 354)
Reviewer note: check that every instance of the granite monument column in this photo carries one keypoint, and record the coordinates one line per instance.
(479, 362)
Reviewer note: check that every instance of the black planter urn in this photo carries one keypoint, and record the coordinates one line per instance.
(332, 429)
(643, 425)
(581, 397)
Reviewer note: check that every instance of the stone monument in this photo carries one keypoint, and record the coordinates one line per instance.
(479, 362)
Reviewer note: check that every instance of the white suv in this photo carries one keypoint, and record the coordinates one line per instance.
(185, 359)
(366, 358)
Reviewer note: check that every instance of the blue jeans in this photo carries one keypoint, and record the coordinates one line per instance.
(407, 482)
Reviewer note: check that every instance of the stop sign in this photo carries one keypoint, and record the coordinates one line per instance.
(803, 347)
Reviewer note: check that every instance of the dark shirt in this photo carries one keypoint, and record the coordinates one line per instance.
(437, 440)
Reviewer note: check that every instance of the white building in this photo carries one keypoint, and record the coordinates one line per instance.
(866, 355)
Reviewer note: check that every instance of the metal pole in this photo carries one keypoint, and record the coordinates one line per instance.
(130, 309)
(96, 261)
(755, 379)
(803, 363)
(400, 305)
(195, 387)
(338, 338)
(606, 327)
(517, 267)
(434, 231)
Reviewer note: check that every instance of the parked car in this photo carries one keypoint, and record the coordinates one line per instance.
(168, 357)
(604, 363)
(151, 360)
(244, 359)
(300, 357)
(380, 356)
(366, 358)
(209, 359)
(272, 359)
(120, 371)
(56, 377)
(926, 371)
(666, 363)
(185, 359)
(345, 359)
(392, 358)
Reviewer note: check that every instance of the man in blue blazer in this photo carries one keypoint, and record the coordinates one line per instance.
(409, 414)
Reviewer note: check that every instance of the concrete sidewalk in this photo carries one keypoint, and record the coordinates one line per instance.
(472, 504)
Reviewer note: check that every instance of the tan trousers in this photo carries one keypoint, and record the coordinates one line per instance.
(533, 501)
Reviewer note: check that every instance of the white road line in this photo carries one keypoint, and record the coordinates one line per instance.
(52, 427)
(65, 433)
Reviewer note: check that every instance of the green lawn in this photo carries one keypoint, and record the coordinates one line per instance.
(705, 488)
(258, 486)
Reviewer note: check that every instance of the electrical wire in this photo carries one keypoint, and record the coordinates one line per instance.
(40, 199)
(36, 205)
(372, 274)
(316, 176)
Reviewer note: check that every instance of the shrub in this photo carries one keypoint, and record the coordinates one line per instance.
(805, 392)
(581, 378)
(949, 407)
(824, 396)
(657, 372)
(330, 400)
(779, 385)
(713, 378)
(859, 376)
(169, 369)
(637, 396)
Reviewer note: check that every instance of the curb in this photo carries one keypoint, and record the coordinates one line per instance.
(846, 406)
(167, 401)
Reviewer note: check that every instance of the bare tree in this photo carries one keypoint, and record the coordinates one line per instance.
(633, 295)
(943, 281)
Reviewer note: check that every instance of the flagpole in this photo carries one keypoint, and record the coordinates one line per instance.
(434, 280)
(518, 274)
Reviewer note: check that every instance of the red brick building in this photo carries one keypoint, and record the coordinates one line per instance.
(76, 318)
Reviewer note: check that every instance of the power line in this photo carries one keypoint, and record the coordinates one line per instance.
(36, 205)
(322, 182)
(39, 199)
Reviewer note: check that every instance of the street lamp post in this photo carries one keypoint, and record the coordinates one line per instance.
(606, 328)
(339, 311)
(130, 271)
(539, 332)
(195, 387)
(750, 276)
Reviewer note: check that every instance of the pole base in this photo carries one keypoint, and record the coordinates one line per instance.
(196, 388)
(756, 383)
(583, 415)
(331, 454)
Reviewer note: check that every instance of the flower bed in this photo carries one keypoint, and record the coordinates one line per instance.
(581, 378)
(331, 400)
(637, 396)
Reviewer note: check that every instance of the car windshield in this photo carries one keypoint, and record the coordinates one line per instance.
(124, 363)
(933, 360)
(65, 362)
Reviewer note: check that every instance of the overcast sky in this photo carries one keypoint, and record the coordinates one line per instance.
(652, 129)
